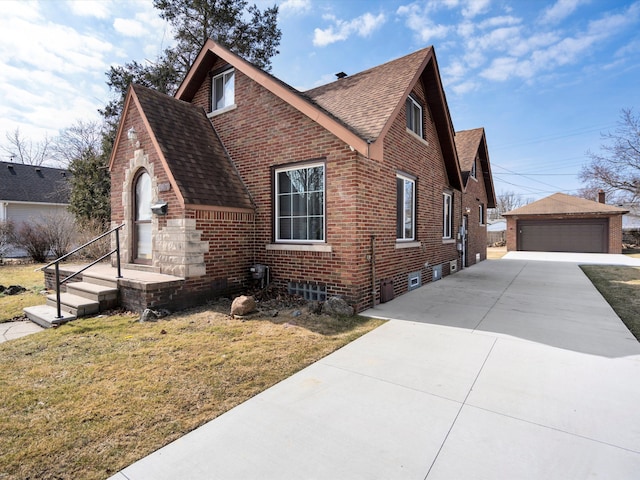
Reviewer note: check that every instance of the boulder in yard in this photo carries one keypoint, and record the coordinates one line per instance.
(243, 305)
(14, 290)
(337, 307)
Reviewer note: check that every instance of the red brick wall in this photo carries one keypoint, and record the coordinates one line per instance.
(264, 132)
(475, 195)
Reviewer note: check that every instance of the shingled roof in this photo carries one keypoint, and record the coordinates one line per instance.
(197, 160)
(563, 204)
(358, 109)
(365, 101)
(472, 144)
(29, 183)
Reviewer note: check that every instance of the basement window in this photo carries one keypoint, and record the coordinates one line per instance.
(308, 291)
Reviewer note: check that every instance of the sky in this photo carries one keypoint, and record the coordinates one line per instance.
(544, 78)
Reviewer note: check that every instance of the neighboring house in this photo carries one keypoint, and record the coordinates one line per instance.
(29, 192)
(564, 223)
(479, 194)
(352, 189)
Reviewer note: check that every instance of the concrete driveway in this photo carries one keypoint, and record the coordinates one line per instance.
(509, 369)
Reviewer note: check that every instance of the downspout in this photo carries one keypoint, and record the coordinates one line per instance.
(373, 271)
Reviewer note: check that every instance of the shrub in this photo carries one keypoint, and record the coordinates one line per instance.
(34, 240)
(87, 231)
(6, 235)
(49, 234)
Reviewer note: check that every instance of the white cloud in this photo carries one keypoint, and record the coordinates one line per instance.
(129, 27)
(293, 7)
(465, 87)
(560, 10)
(363, 26)
(475, 7)
(418, 19)
(89, 8)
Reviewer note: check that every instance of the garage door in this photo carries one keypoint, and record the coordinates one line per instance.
(588, 236)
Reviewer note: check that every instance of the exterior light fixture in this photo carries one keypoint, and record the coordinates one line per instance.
(132, 135)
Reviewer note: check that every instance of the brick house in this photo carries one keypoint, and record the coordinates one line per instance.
(479, 194)
(340, 190)
(564, 223)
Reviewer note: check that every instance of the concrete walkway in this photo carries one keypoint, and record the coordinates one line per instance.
(509, 369)
(12, 330)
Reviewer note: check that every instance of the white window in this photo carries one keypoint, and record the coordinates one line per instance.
(447, 215)
(300, 206)
(414, 116)
(473, 170)
(405, 208)
(223, 90)
(481, 213)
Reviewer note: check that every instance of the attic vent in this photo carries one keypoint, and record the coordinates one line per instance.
(341, 75)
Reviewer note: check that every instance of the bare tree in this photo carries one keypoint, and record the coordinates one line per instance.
(616, 168)
(507, 201)
(23, 150)
(74, 141)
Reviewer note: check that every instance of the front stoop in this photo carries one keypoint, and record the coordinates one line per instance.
(106, 296)
(45, 316)
(74, 304)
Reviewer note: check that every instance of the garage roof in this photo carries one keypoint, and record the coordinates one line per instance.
(563, 204)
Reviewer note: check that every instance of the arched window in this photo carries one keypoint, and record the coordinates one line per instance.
(142, 218)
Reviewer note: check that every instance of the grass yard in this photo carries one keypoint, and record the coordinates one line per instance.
(24, 275)
(91, 397)
(620, 286)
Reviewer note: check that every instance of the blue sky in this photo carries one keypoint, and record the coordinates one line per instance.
(544, 78)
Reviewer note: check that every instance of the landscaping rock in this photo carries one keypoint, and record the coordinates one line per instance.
(337, 307)
(243, 305)
(153, 315)
(2, 288)
(14, 290)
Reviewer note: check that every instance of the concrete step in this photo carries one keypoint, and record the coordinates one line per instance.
(97, 279)
(74, 304)
(45, 316)
(107, 297)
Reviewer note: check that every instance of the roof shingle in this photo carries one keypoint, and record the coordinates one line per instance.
(366, 100)
(193, 151)
(562, 204)
(29, 183)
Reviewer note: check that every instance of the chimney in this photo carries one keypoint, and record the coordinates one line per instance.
(601, 196)
(341, 75)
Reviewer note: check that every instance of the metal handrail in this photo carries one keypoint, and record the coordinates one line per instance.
(57, 263)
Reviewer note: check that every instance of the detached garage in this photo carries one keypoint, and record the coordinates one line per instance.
(564, 223)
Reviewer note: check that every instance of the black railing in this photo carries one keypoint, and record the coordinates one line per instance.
(57, 263)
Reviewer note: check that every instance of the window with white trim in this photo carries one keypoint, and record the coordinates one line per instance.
(405, 208)
(414, 116)
(223, 90)
(447, 215)
(481, 213)
(300, 203)
(473, 170)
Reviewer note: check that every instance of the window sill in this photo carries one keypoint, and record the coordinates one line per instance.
(319, 247)
(416, 136)
(400, 244)
(215, 113)
(448, 240)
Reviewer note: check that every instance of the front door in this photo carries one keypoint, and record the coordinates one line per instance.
(142, 220)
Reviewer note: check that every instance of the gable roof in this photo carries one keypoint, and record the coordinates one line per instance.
(472, 144)
(563, 204)
(366, 100)
(358, 109)
(29, 183)
(195, 160)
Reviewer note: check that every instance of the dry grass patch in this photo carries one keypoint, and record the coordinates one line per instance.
(620, 286)
(496, 253)
(24, 275)
(93, 396)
